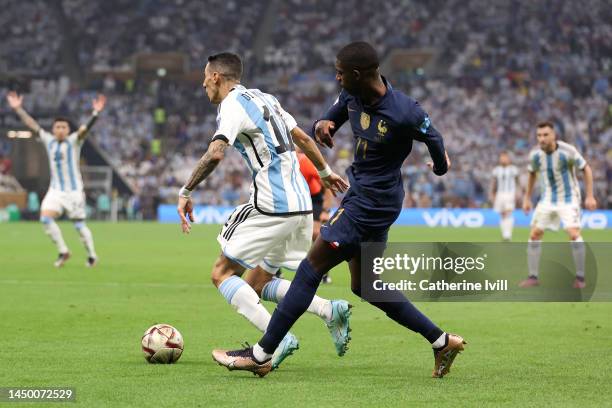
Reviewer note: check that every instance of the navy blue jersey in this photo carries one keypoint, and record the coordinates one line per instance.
(383, 134)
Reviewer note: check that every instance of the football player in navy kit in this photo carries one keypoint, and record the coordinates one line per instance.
(385, 122)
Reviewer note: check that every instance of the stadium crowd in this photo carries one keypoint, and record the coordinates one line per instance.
(500, 67)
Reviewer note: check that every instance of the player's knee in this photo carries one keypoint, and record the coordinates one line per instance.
(45, 219)
(574, 234)
(536, 234)
(78, 225)
(221, 271)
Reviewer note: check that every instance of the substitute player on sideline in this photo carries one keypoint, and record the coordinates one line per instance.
(384, 122)
(556, 163)
(65, 194)
(503, 193)
(274, 229)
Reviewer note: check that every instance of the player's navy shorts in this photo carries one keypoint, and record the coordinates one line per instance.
(342, 232)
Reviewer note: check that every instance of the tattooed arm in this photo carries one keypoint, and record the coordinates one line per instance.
(206, 165)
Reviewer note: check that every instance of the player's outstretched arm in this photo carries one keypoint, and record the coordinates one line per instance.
(528, 191)
(206, 165)
(16, 103)
(97, 105)
(589, 201)
(330, 179)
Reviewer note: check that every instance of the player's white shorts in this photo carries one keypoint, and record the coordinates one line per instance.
(253, 239)
(549, 216)
(70, 202)
(504, 202)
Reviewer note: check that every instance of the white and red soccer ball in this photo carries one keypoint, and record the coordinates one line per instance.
(162, 344)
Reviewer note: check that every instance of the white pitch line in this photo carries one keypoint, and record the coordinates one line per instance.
(109, 284)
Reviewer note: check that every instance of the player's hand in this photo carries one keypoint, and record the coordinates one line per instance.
(590, 203)
(15, 101)
(185, 211)
(526, 206)
(323, 135)
(99, 103)
(335, 183)
(324, 217)
(448, 162)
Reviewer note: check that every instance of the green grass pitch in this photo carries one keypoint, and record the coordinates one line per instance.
(81, 328)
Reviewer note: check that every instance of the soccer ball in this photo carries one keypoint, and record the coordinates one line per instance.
(162, 344)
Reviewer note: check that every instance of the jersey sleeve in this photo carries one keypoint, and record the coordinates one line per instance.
(579, 161)
(45, 136)
(337, 113)
(231, 121)
(534, 162)
(419, 123)
(73, 138)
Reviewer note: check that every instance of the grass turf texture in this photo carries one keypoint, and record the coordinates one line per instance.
(81, 328)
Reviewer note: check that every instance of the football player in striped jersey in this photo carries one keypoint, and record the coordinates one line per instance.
(65, 194)
(556, 163)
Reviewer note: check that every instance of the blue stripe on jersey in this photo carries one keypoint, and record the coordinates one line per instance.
(304, 186)
(285, 137)
(240, 147)
(536, 162)
(58, 160)
(70, 168)
(304, 191)
(565, 174)
(50, 156)
(275, 178)
(551, 178)
(295, 186)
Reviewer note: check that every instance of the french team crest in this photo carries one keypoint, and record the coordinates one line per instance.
(364, 120)
(382, 127)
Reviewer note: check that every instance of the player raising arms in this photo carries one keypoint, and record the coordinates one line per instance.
(384, 122)
(274, 229)
(556, 162)
(503, 193)
(65, 194)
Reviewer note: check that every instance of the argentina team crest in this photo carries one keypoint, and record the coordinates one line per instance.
(364, 120)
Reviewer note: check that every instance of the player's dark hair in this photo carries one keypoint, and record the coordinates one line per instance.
(228, 64)
(64, 119)
(545, 123)
(358, 55)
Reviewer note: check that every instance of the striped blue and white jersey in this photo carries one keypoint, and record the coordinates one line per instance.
(505, 177)
(63, 161)
(557, 172)
(259, 128)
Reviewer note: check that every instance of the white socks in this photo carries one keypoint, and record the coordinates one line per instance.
(259, 354)
(86, 238)
(506, 225)
(579, 253)
(534, 250)
(440, 342)
(53, 230)
(276, 289)
(240, 295)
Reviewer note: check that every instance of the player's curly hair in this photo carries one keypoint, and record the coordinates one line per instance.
(358, 55)
(227, 64)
